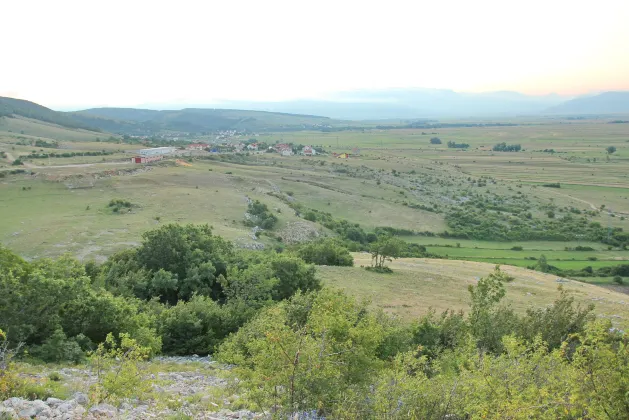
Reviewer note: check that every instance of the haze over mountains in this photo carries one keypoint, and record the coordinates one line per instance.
(406, 104)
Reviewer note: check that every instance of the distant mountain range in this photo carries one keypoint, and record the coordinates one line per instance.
(604, 103)
(387, 104)
(410, 104)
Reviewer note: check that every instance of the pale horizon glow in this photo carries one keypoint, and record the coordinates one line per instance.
(72, 54)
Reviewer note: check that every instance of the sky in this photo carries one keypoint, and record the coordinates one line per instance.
(69, 54)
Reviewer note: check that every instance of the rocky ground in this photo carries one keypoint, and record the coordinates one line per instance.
(182, 388)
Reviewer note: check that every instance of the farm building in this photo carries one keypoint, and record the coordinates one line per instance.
(146, 159)
(252, 146)
(156, 151)
(197, 146)
(308, 151)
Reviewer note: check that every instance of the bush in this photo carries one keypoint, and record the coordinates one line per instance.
(618, 280)
(516, 248)
(58, 348)
(193, 327)
(258, 214)
(9, 382)
(326, 252)
(119, 371)
(503, 147)
(435, 140)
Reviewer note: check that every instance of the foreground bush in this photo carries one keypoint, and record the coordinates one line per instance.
(323, 351)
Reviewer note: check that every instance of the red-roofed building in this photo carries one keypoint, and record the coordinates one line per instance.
(308, 151)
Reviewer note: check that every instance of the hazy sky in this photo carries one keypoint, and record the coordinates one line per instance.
(66, 53)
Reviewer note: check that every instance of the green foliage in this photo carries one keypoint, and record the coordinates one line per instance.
(191, 259)
(552, 185)
(117, 205)
(385, 249)
(509, 219)
(435, 140)
(119, 371)
(258, 214)
(488, 320)
(610, 150)
(291, 366)
(326, 252)
(504, 147)
(51, 306)
(57, 348)
(188, 327)
(454, 145)
(555, 323)
(9, 382)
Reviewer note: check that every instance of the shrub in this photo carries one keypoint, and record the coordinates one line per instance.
(435, 140)
(504, 147)
(516, 248)
(9, 382)
(119, 371)
(258, 214)
(326, 252)
(618, 280)
(58, 348)
(193, 327)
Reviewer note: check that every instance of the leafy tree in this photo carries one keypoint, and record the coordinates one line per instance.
(490, 321)
(435, 140)
(385, 249)
(611, 150)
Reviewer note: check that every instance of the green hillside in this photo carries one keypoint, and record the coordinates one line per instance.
(18, 107)
(196, 120)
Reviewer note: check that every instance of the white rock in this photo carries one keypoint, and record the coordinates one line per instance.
(7, 413)
(103, 410)
(80, 398)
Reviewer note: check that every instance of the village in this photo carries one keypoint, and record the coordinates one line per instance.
(251, 146)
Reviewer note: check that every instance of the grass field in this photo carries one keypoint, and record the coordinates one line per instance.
(418, 285)
(396, 177)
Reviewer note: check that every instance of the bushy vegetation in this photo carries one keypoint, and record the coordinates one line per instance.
(435, 140)
(552, 185)
(183, 285)
(326, 252)
(258, 214)
(118, 205)
(510, 219)
(454, 145)
(504, 147)
(326, 353)
(299, 348)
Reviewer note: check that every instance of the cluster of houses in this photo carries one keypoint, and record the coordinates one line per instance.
(286, 150)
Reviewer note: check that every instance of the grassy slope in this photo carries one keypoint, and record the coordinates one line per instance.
(417, 285)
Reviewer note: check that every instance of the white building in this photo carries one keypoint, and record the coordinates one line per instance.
(156, 151)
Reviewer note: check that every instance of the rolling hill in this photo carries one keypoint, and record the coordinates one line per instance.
(18, 107)
(147, 122)
(604, 103)
(143, 121)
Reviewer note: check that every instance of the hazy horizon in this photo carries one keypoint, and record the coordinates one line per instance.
(74, 54)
